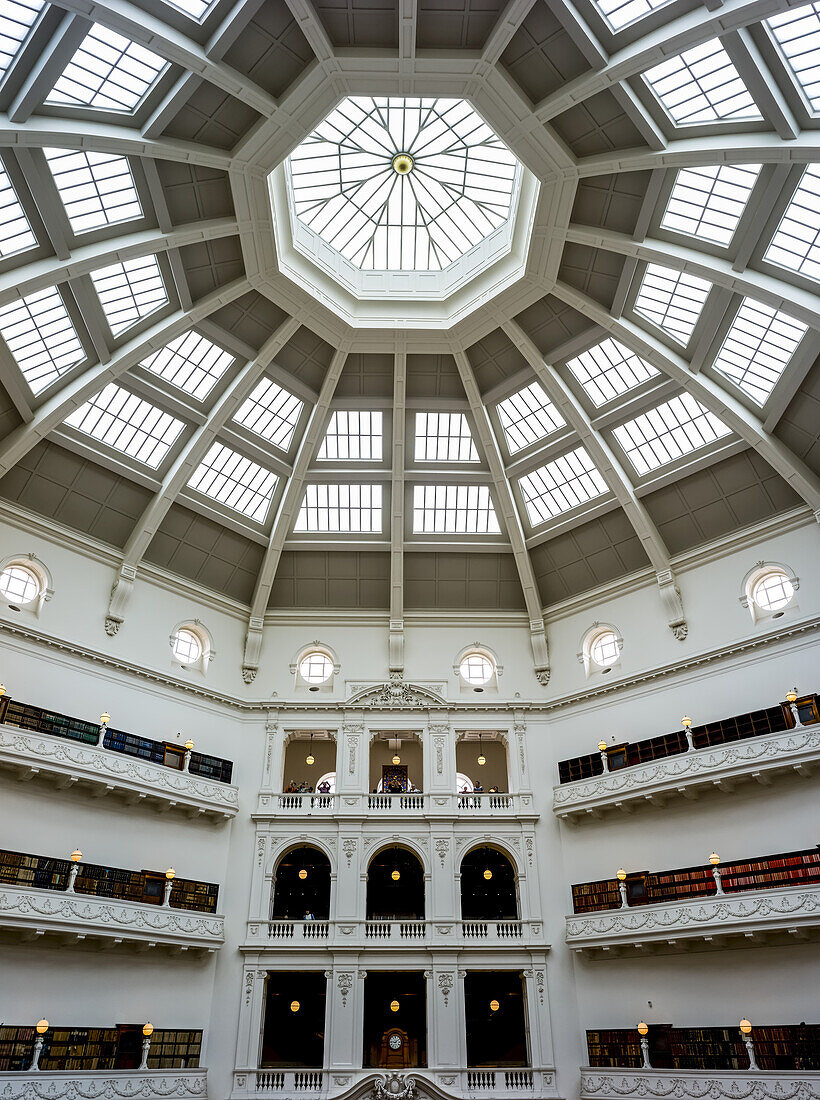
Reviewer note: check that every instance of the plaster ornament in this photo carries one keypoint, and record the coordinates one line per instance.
(394, 1086)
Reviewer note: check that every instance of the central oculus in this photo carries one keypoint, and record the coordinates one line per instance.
(395, 184)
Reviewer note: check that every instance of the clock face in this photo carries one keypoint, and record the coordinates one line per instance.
(394, 1042)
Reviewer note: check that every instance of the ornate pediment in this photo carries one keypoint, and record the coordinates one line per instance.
(395, 694)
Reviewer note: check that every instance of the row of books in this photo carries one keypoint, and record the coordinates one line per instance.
(651, 888)
(120, 1047)
(737, 728)
(148, 887)
(75, 729)
(784, 1047)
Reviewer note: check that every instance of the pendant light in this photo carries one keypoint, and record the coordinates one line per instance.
(396, 757)
(494, 1006)
(302, 874)
(310, 758)
(482, 759)
(396, 875)
(488, 874)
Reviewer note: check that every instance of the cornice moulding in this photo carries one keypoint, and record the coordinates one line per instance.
(694, 1084)
(104, 1084)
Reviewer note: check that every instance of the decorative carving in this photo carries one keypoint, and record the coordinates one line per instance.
(344, 982)
(539, 981)
(112, 626)
(394, 1086)
(542, 675)
(396, 694)
(250, 977)
(445, 984)
(696, 1084)
(260, 851)
(442, 848)
(348, 847)
(673, 604)
(352, 745)
(249, 674)
(529, 843)
(439, 743)
(121, 591)
(104, 1085)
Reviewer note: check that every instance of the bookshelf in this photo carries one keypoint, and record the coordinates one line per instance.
(99, 1048)
(756, 723)
(788, 1047)
(591, 897)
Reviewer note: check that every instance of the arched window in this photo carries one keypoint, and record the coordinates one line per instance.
(769, 591)
(477, 669)
(488, 886)
(25, 583)
(191, 646)
(301, 887)
(601, 649)
(395, 886)
(315, 667)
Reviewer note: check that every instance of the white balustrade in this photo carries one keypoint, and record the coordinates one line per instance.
(267, 934)
(410, 803)
(457, 1083)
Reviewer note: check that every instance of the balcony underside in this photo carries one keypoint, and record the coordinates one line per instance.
(749, 918)
(694, 1084)
(105, 1084)
(759, 759)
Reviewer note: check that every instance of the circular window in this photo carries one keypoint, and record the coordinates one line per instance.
(19, 585)
(316, 667)
(773, 590)
(187, 647)
(476, 668)
(603, 649)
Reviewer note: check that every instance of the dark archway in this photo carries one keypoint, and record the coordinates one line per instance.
(395, 886)
(488, 897)
(496, 1018)
(301, 888)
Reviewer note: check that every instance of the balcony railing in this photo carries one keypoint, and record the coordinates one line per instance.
(509, 1082)
(35, 741)
(43, 895)
(747, 898)
(409, 804)
(790, 1047)
(368, 933)
(752, 746)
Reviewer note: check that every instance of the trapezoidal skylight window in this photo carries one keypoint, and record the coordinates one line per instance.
(235, 481)
(97, 189)
(41, 337)
(528, 416)
(672, 300)
(444, 437)
(190, 362)
(347, 509)
(797, 33)
(609, 369)
(17, 17)
(758, 347)
(621, 13)
(195, 9)
(15, 230)
(402, 184)
(108, 72)
(707, 202)
(129, 291)
(354, 436)
(454, 510)
(702, 85)
(561, 485)
(271, 412)
(796, 244)
(121, 420)
(668, 432)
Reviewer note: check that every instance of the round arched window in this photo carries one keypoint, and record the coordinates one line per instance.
(19, 584)
(186, 646)
(316, 667)
(603, 648)
(772, 590)
(476, 668)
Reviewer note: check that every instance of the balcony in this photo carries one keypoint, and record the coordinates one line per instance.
(694, 1084)
(783, 740)
(458, 1083)
(305, 934)
(414, 805)
(41, 896)
(698, 907)
(73, 753)
(51, 1085)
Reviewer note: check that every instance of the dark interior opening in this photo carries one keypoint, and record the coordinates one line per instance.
(390, 898)
(294, 1029)
(493, 898)
(395, 1019)
(306, 897)
(495, 1036)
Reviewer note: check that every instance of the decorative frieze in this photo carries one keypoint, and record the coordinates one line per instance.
(695, 1084)
(104, 1084)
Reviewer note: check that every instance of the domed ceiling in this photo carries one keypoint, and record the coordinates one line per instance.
(572, 341)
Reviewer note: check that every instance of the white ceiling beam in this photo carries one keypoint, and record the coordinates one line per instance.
(397, 516)
(42, 77)
(719, 401)
(312, 28)
(181, 470)
(748, 61)
(231, 27)
(509, 515)
(291, 499)
(802, 304)
(408, 22)
(56, 408)
(508, 23)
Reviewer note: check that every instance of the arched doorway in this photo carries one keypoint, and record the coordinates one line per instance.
(395, 886)
(488, 886)
(301, 887)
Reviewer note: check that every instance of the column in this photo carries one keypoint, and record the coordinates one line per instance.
(443, 900)
(347, 900)
(518, 763)
(444, 1015)
(352, 758)
(439, 757)
(251, 1011)
(274, 753)
(539, 1021)
(345, 1000)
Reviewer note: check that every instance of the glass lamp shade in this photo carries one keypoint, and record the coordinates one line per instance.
(189, 744)
(105, 718)
(310, 758)
(394, 1006)
(396, 875)
(170, 873)
(714, 859)
(791, 696)
(396, 758)
(295, 1006)
(686, 721)
(482, 760)
(494, 1006)
(602, 745)
(148, 1030)
(488, 874)
(42, 1027)
(621, 874)
(302, 874)
(643, 1029)
(745, 1027)
(2, 690)
(76, 855)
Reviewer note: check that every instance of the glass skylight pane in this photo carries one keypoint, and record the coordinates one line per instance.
(41, 337)
(190, 362)
(444, 437)
(796, 244)
(97, 189)
(15, 231)
(196, 9)
(347, 509)
(608, 370)
(672, 300)
(271, 412)
(353, 435)
(125, 422)
(528, 416)
(129, 291)
(108, 72)
(620, 13)
(454, 510)
(668, 432)
(561, 485)
(235, 481)
(702, 85)
(17, 17)
(797, 32)
(707, 202)
(757, 348)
